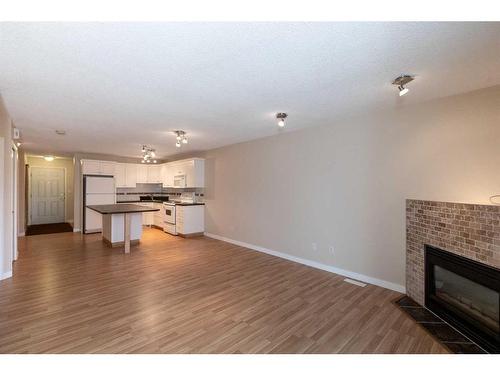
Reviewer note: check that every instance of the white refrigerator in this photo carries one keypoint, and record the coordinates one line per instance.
(96, 190)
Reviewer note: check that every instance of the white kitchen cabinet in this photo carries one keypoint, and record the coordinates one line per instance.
(190, 220)
(120, 173)
(167, 175)
(154, 174)
(192, 169)
(157, 215)
(142, 174)
(108, 168)
(147, 217)
(130, 175)
(91, 167)
(98, 167)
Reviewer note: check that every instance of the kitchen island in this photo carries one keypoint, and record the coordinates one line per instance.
(121, 223)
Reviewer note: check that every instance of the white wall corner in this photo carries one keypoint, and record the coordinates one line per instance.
(311, 263)
(76, 230)
(5, 275)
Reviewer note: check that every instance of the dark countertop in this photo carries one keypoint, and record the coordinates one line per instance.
(176, 203)
(107, 209)
(190, 204)
(149, 201)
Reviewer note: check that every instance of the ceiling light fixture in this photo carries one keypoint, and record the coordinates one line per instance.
(181, 137)
(403, 90)
(61, 132)
(401, 81)
(148, 154)
(49, 158)
(281, 119)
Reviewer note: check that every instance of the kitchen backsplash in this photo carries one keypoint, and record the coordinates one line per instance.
(133, 194)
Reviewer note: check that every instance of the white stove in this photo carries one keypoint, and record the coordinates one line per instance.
(168, 214)
(169, 211)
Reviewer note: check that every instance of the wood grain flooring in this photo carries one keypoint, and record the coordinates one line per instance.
(72, 294)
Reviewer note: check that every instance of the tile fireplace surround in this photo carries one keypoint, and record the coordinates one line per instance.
(469, 230)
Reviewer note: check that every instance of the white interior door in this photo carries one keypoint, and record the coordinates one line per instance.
(47, 195)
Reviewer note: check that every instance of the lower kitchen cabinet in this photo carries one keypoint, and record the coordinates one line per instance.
(190, 220)
(147, 217)
(157, 215)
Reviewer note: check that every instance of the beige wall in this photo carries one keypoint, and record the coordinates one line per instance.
(5, 192)
(67, 164)
(345, 185)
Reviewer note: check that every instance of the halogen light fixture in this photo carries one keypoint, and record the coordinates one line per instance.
(181, 138)
(148, 155)
(401, 82)
(281, 119)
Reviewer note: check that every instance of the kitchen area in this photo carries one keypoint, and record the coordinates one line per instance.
(170, 196)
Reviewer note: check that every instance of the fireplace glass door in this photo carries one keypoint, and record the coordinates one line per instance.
(466, 294)
(475, 300)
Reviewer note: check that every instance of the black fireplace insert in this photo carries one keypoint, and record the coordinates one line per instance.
(466, 294)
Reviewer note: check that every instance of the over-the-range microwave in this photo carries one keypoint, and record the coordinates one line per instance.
(180, 181)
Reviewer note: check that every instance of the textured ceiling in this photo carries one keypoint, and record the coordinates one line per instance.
(115, 86)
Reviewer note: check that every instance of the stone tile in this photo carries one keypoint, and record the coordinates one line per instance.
(445, 333)
(406, 301)
(465, 348)
(422, 315)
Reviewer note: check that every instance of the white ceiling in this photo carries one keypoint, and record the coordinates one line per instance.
(116, 86)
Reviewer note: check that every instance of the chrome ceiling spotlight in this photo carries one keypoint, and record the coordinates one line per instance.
(181, 138)
(148, 154)
(401, 81)
(281, 119)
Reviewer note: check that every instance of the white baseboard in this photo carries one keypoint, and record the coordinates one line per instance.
(312, 263)
(5, 275)
(21, 234)
(76, 230)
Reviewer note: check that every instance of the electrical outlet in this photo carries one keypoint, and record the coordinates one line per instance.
(314, 246)
(331, 250)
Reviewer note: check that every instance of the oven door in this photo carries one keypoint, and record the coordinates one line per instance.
(169, 214)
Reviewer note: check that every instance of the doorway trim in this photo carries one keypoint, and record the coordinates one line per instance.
(30, 191)
(15, 202)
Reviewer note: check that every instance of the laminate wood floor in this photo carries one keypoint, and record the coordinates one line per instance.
(72, 294)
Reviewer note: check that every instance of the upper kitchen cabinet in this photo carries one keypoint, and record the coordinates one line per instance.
(154, 174)
(120, 175)
(126, 175)
(188, 173)
(142, 174)
(98, 167)
(167, 177)
(130, 175)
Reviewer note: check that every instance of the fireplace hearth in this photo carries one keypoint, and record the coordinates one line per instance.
(466, 294)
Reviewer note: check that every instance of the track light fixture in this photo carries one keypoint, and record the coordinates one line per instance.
(148, 154)
(181, 138)
(281, 119)
(401, 83)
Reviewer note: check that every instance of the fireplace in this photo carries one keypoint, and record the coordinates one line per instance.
(466, 294)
